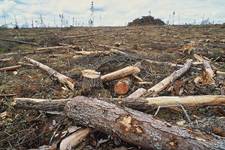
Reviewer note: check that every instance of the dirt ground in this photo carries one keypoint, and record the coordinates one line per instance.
(20, 129)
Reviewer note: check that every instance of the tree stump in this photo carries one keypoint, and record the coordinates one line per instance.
(91, 81)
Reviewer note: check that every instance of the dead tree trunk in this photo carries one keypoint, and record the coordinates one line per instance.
(121, 73)
(136, 127)
(67, 81)
(11, 68)
(163, 84)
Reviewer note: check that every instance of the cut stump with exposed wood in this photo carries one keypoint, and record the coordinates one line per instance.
(91, 80)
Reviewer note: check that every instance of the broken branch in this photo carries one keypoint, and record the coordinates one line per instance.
(11, 68)
(61, 78)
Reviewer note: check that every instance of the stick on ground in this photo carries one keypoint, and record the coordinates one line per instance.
(67, 81)
(163, 84)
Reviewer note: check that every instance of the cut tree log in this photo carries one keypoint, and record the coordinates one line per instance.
(135, 127)
(92, 52)
(167, 101)
(11, 68)
(121, 73)
(56, 47)
(5, 59)
(122, 86)
(163, 84)
(135, 103)
(74, 139)
(18, 41)
(209, 71)
(67, 81)
(91, 80)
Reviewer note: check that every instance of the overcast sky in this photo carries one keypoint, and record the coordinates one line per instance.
(109, 12)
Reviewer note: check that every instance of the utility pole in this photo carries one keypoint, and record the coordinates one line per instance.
(91, 20)
(174, 13)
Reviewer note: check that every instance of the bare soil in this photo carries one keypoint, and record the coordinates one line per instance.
(22, 129)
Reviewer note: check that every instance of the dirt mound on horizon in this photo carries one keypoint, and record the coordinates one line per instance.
(146, 20)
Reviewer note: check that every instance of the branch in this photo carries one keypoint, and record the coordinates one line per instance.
(164, 83)
(61, 78)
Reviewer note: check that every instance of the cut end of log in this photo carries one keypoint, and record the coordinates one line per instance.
(122, 86)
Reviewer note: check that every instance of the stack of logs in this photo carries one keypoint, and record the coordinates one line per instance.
(126, 122)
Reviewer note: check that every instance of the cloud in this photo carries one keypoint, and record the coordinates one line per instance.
(109, 12)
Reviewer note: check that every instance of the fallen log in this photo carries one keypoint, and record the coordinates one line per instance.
(135, 127)
(7, 95)
(163, 84)
(67, 81)
(18, 41)
(121, 73)
(92, 52)
(5, 59)
(135, 103)
(209, 71)
(122, 86)
(74, 139)
(11, 68)
(55, 47)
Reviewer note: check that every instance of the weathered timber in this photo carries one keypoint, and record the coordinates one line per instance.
(11, 68)
(74, 139)
(164, 83)
(121, 73)
(67, 81)
(133, 126)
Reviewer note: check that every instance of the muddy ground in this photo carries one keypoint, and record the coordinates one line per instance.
(22, 129)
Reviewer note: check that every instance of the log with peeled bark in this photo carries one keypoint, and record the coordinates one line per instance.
(74, 139)
(11, 68)
(5, 59)
(163, 84)
(67, 81)
(135, 103)
(55, 47)
(136, 127)
(122, 86)
(121, 73)
(210, 73)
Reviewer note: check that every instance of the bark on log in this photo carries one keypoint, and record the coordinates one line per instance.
(163, 84)
(74, 139)
(122, 86)
(135, 127)
(91, 80)
(67, 81)
(135, 103)
(132, 126)
(11, 68)
(121, 73)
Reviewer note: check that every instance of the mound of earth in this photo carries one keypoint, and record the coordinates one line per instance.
(146, 20)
